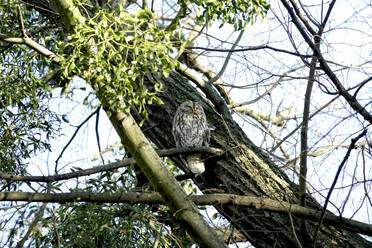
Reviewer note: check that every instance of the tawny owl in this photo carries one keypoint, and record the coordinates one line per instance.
(190, 129)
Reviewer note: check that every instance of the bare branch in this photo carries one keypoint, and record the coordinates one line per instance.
(225, 63)
(347, 155)
(21, 22)
(32, 44)
(208, 89)
(108, 167)
(202, 200)
(302, 18)
(300, 125)
(72, 138)
(274, 85)
(304, 136)
(97, 136)
(34, 223)
(277, 120)
(250, 48)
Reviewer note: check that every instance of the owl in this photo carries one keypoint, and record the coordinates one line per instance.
(190, 129)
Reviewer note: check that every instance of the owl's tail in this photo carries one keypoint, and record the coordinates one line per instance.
(195, 164)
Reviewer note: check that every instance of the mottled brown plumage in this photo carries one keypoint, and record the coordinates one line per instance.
(190, 129)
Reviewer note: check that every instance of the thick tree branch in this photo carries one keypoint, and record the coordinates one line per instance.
(208, 90)
(202, 200)
(32, 44)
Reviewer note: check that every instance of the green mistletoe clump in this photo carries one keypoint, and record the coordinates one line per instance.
(114, 52)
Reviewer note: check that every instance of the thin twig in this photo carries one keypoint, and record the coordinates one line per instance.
(250, 48)
(73, 136)
(294, 230)
(34, 223)
(97, 136)
(225, 63)
(347, 155)
(21, 22)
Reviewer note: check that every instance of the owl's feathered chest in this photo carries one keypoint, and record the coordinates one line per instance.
(190, 130)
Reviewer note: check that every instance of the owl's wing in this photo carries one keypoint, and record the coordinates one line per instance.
(175, 135)
(176, 130)
(206, 136)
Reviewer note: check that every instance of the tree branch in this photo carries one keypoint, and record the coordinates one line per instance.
(227, 59)
(108, 167)
(32, 44)
(347, 155)
(208, 90)
(304, 136)
(21, 22)
(72, 138)
(34, 223)
(202, 200)
(250, 48)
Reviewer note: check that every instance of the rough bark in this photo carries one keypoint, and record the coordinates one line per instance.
(243, 169)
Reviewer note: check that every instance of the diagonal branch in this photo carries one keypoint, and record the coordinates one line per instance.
(347, 155)
(227, 59)
(208, 90)
(34, 223)
(72, 138)
(302, 18)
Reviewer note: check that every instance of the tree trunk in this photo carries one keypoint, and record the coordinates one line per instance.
(243, 169)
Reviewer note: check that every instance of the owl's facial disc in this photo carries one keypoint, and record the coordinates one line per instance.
(197, 111)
